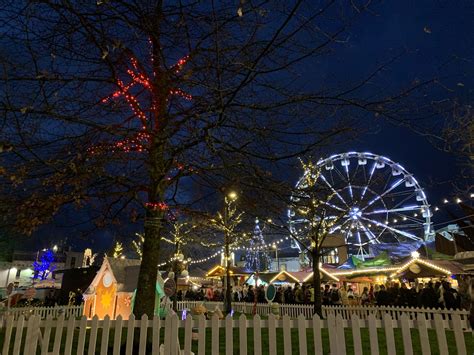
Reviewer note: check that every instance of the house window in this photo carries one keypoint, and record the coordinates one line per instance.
(330, 256)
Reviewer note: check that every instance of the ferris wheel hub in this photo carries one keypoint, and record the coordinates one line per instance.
(355, 213)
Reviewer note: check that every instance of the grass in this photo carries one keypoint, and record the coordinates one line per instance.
(294, 340)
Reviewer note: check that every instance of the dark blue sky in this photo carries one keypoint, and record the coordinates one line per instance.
(437, 39)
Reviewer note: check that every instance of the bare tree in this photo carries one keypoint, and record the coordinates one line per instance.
(227, 223)
(134, 109)
(319, 219)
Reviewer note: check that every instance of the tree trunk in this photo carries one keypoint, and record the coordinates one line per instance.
(228, 294)
(318, 309)
(146, 287)
(154, 226)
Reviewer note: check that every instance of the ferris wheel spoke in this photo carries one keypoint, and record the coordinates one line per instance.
(370, 235)
(378, 197)
(349, 182)
(403, 233)
(394, 210)
(335, 207)
(333, 190)
(368, 181)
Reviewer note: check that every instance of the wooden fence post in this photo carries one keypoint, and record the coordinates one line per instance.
(243, 334)
(118, 324)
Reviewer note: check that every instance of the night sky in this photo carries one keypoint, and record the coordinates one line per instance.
(437, 40)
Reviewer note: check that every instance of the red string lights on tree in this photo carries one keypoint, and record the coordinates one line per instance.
(138, 77)
(158, 206)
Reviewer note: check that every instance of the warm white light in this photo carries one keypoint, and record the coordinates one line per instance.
(458, 200)
(445, 200)
(436, 209)
(415, 254)
(55, 248)
(232, 195)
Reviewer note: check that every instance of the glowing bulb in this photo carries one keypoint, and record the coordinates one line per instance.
(458, 200)
(232, 195)
(404, 218)
(436, 209)
(445, 200)
(415, 254)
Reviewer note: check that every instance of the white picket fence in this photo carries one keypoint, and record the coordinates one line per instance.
(229, 336)
(264, 309)
(43, 312)
(346, 312)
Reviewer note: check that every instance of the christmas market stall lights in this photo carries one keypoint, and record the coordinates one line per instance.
(325, 276)
(220, 271)
(418, 267)
(285, 277)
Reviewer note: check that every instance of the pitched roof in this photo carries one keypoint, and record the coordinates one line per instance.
(124, 271)
(119, 266)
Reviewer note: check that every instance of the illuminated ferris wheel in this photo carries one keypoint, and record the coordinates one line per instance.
(380, 202)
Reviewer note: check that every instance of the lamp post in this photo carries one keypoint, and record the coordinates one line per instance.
(276, 256)
(178, 268)
(229, 199)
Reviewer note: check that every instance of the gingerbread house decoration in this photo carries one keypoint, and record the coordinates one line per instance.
(112, 290)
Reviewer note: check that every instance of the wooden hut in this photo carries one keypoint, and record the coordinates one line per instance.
(112, 290)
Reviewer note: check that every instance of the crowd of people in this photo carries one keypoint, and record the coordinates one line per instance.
(429, 295)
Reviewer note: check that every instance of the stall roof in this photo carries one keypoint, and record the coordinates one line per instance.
(420, 267)
(219, 271)
(326, 276)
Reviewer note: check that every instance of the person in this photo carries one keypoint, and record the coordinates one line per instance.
(382, 296)
(299, 296)
(428, 298)
(250, 294)
(326, 295)
(403, 296)
(350, 295)
(343, 291)
(261, 294)
(307, 294)
(364, 297)
(371, 295)
(311, 294)
(335, 296)
(451, 296)
(289, 296)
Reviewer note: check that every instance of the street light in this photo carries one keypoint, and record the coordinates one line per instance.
(232, 195)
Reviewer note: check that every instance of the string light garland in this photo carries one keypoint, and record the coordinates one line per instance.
(191, 261)
(415, 260)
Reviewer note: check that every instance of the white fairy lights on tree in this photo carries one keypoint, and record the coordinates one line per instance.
(257, 258)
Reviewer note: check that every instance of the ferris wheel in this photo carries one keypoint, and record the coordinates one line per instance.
(376, 199)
